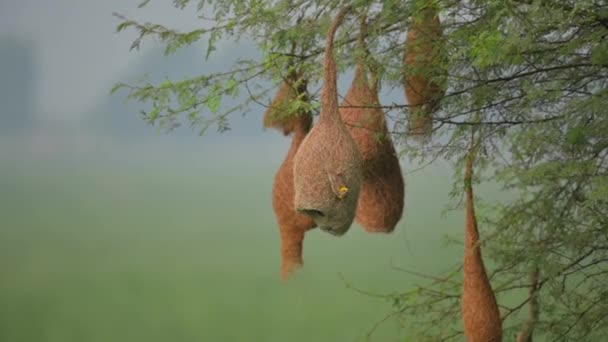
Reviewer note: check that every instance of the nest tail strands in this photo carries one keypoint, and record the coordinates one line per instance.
(327, 167)
(292, 224)
(424, 74)
(380, 205)
(480, 314)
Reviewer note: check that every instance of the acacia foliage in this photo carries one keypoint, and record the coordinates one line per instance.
(530, 75)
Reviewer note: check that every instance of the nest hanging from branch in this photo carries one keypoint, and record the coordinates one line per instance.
(480, 314)
(292, 224)
(381, 199)
(327, 167)
(424, 70)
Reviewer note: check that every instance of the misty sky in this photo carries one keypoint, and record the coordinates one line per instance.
(75, 56)
(78, 55)
(60, 60)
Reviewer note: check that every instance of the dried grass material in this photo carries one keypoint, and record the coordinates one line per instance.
(381, 199)
(480, 314)
(327, 167)
(281, 115)
(292, 224)
(424, 81)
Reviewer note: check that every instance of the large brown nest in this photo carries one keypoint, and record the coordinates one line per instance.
(327, 166)
(381, 199)
(424, 76)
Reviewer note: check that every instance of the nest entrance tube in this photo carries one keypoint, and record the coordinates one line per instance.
(327, 167)
(381, 199)
(424, 74)
(292, 224)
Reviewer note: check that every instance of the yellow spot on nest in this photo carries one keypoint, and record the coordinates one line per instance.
(342, 190)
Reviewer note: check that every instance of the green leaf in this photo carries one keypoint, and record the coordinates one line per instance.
(211, 43)
(153, 114)
(213, 103)
(116, 87)
(143, 3)
(599, 55)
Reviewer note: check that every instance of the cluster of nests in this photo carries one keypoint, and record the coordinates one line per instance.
(344, 169)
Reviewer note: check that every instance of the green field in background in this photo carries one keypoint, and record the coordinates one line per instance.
(111, 251)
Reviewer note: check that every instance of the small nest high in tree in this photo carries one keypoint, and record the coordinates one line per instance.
(381, 199)
(480, 314)
(292, 224)
(281, 114)
(424, 72)
(327, 167)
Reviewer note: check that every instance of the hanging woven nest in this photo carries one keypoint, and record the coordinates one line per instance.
(381, 199)
(424, 70)
(480, 314)
(292, 224)
(327, 167)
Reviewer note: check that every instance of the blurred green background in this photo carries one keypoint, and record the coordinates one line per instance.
(182, 250)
